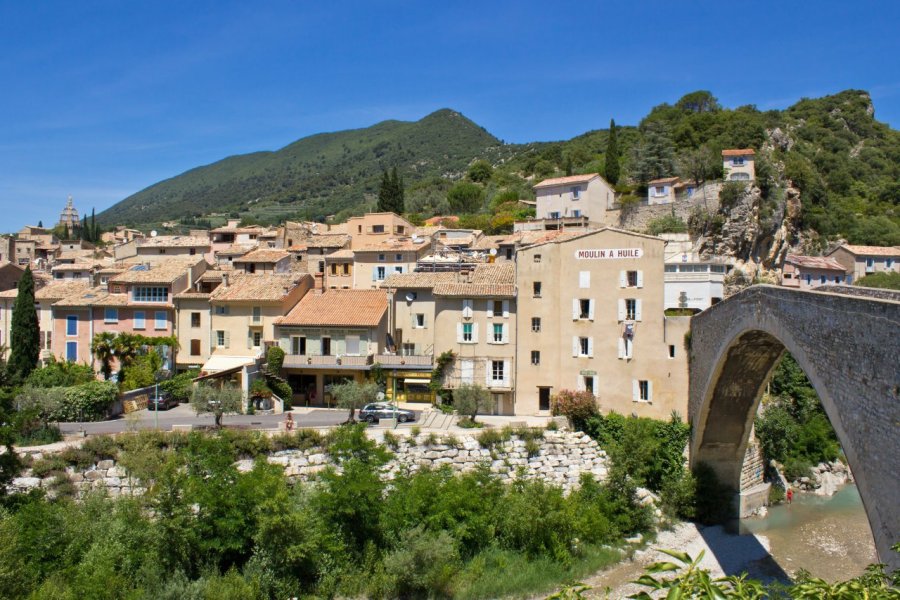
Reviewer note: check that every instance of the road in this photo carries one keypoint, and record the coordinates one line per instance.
(184, 415)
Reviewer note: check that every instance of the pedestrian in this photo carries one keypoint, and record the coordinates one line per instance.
(289, 422)
(790, 495)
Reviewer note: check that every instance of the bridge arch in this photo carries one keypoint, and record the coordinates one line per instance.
(847, 341)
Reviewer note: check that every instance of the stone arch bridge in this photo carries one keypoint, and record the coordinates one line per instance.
(847, 340)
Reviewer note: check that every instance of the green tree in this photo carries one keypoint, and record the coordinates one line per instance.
(391, 195)
(884, 280)
(465, 197)
(653, 156)
(611, 166)
(697, 164)
(469, 399)
(127, 348)
(353, 395)
(103, 347)
(217, 401)
(480, 171)
(24, 336)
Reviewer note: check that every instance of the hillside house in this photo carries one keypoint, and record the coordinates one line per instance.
(575, 200)
(808, 272)
(859, 261)
(739, 164)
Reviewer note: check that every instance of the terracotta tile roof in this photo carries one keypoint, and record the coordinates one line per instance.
(97, 296)
(72, 267)
(327, 240)
(263, 255)
(489, 241)
(475, 290)
(566, 180)
(394, 245)
(60, 290)
(247, 229)
(298, 248)
(496, 274)
(871, 250)
(192, 295)
(413, 281)
(157, 272)
(815, 262)
(663, 180)
(559, 237)
(172, 241)
(449, 219)
(243, 287)
(236, 250)
(738, 152)
(342, 254)
(338, 308)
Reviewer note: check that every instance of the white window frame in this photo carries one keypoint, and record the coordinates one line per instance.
(536, 324)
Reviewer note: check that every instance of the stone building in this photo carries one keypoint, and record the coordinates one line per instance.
(860, 261)
(68, 218)
(805, 272)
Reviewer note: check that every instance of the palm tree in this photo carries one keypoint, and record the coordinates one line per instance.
(127, 346)
(104, 348)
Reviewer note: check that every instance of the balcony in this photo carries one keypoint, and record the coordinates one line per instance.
(393, 361)
(306, 361)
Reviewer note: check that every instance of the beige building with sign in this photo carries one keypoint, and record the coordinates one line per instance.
(591, 317)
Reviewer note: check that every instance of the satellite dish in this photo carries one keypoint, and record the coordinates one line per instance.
(493, 252)
(153, 233)
(410, 297)
(416, 239)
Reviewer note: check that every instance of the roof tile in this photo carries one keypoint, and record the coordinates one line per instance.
(338, 308)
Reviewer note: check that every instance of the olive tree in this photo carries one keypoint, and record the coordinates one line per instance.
(218, 401)
(470, 399)
(353, 395)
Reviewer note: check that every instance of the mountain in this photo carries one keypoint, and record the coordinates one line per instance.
(315, 176)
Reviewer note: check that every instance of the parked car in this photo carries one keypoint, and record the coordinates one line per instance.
(163, 401)
(382, 410)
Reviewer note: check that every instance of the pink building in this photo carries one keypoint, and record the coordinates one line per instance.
(807, 272)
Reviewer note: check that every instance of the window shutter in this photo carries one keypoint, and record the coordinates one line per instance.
(590, 347)
(640, 279)
(591, 310)
(475, 332)
(575, 309)
(621, 309)
(629, 348)
(621, 347)
(375, 274)
(505, 333)
(412, 317)
(623, 279)
(579, 386)
(507, 366)
(424, 320)
(637, 310)
(488, 368)
(227, 339)
(575, 345)
(490, 308)
(506, 309)
(459, 332)
(249, 339)
(584, 279)
(649, 391)
(635, 390)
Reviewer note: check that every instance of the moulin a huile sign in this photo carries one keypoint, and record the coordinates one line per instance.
(607, 253)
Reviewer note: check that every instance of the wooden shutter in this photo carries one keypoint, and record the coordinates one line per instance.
(623, 279)
(621, 347)
(575, 345)
(637, 310)
(621, 309)
(507, 366)
(489, 368)
(579, 386)
(506, 309)
(505, 333)
(459, 332)
(635, 390)
(591, 310)
(576, 309)
(649, 391)
(640, 279)
(227, 339)
(475, 332)
(590, 347)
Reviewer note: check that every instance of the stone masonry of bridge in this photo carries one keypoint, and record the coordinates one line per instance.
(848, 346)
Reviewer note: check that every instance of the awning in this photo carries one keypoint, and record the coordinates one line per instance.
(224, 363)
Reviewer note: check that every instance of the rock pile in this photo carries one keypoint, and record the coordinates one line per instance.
(826, 478)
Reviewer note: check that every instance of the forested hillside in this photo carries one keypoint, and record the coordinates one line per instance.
(841, 166)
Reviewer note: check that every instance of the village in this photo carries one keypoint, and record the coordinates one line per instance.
(570, 300)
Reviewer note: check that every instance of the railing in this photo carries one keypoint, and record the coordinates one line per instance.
(295, 361)
(395, 360)
(698, 276)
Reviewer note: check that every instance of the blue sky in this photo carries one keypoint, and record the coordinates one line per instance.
(102, 99)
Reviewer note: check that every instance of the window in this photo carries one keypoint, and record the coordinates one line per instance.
(420, 320)
(554, 215)
(738, 161)
(139, 319)
(576, 193)
(221, 310)
(537, 258)
(111, 315)
(498, 333)
(298, 345)
(379, 273)
(220, 339)
(536, 324)
(659, 190)
(150, 294)
(497, 308)
(584, 307)
(576, 213)
(257, 339)
(48, 341)
(631, 279)
(642, 391)
(162, 250)
(352, 345)
(536, 287)
(838, 279)
(535, 357)
(192, 251)
(346, 268)
(195, 319)
(671, 351)
(823, 279)
(888, 263)
(326, 346)
(584, 345)
(381, 258)
(72, 325)
(195, 347)
(589, 384)
(161, 320)
(257, 314)
(334, 268)
(104, 280)
(72, 351)
(398, 257)
(497, 371)
(398, 269)
(543, 398)
(467, 332)
(467, 371)
(377, 228)
(509, 253)
(631, 309)
(467, 307)
(808, 279)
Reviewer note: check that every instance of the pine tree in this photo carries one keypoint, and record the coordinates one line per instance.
(40, 224)
(391, 194)
(24, 336)
(612, 155)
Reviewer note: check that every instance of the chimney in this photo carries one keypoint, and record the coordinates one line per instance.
(224, 279)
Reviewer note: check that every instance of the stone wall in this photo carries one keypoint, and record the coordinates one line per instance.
(559, 458)
(638, 217)
(848, 348)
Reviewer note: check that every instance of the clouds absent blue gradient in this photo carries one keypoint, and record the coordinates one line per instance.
(101, 99)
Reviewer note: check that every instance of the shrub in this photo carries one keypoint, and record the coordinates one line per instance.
(431, 439)
(415, 430)
(490, 438)
(578, 407)
(532, 448)
(60, 374)
(48, 464)
(391, 440)
(452, 441)
(425, 563)
(77, 457)
(275, 359)
(85, 402)
(666, 224)
(101, 447)
(181, 386)
(731, 193)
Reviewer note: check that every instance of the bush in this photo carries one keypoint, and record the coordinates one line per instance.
(425, 563)
(48, 464)
(181, 386)
(274, 359)
(101, 447)
(60, 374)
(578, 407)
(731, 193)
(77, 457)
(666, 224)
(85, 402)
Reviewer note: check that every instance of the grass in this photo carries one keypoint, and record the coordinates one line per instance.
(500, 573)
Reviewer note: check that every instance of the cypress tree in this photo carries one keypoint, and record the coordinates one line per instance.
(391, 193)
(93, 235)
(24, 335)
(399, 193)
(384, 193)
(612, 155)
